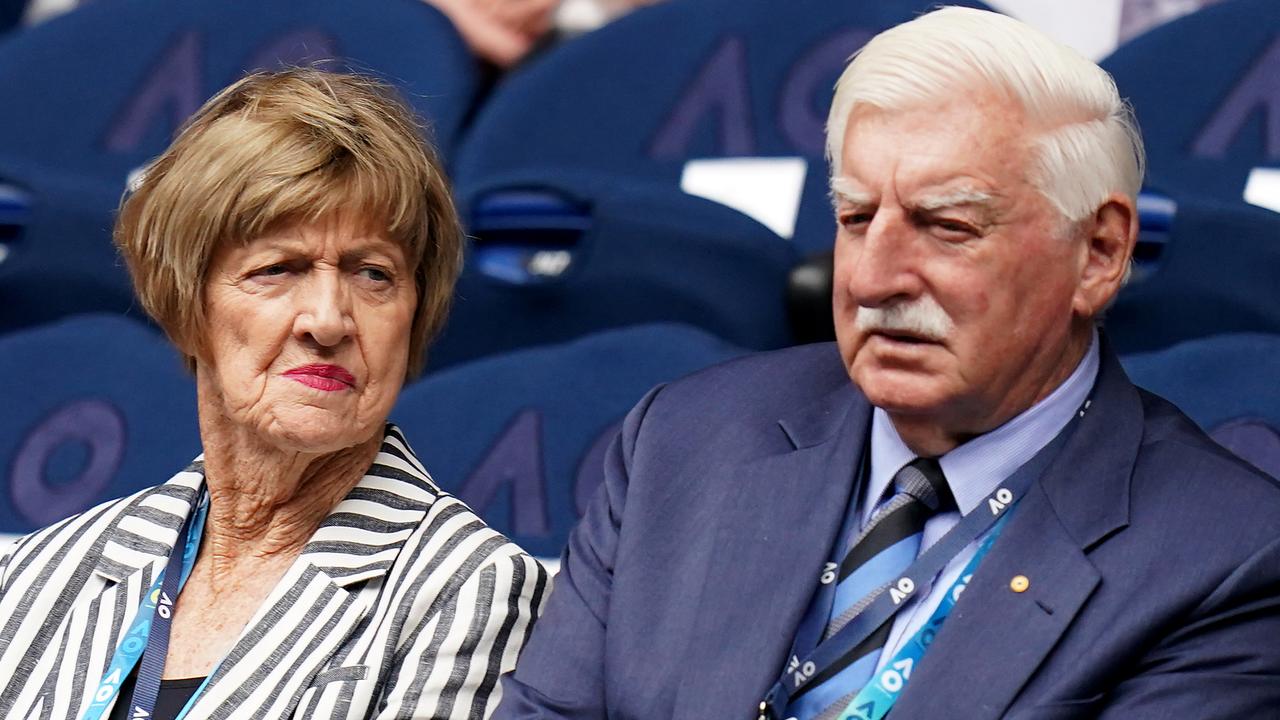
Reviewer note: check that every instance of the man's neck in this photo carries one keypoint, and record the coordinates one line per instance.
(929, 435)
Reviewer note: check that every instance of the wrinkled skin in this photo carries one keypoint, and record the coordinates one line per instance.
(938, 202)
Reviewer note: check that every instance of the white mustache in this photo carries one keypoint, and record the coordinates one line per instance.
(922, 317)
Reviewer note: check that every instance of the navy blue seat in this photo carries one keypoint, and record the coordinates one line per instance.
(1206, 94)
(58, 257)
(92, 95)
(101, 90)
(94, 407)
(555, 257)
(1213, 270)
(684, 79)
(521, 437)
(1228, 385)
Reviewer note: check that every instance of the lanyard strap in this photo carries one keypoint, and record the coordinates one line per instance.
(915, 581)
(875, 700)
(154, 612)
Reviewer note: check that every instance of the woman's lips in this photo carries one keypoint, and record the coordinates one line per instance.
(330, 378)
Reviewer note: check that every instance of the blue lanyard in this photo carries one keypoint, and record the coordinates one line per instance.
(155, 612)
(811, 659)
(875, 700)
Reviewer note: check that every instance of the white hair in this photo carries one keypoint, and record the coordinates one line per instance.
(1088, 144)
(921, 316)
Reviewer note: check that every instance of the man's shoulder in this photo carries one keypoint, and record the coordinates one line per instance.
(762, 384)
(1168, 432)
(1183, 472)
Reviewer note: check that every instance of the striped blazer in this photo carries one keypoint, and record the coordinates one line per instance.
(403, 604)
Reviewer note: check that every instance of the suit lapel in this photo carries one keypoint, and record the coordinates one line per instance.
(770, 547)
(1082, 498)
(318, 604)
(1008, 634)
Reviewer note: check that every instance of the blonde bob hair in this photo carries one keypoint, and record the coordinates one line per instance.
(274, 149)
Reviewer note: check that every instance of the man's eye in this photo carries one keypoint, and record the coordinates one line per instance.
(273, 270)
(951, 226)
(853, 219)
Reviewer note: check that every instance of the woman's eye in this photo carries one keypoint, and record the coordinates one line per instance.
(375, 274)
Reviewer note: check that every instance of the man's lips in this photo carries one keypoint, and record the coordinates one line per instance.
(330, 378)
(902, 336)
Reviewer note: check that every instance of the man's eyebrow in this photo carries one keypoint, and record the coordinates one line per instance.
(953, 199)
(843, 191)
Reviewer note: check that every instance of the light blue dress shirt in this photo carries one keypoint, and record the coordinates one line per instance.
(973, 470)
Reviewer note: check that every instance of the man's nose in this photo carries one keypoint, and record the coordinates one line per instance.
(884, 262)
(324, 310)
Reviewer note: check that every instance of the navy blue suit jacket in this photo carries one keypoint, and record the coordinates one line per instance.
(1152, 555)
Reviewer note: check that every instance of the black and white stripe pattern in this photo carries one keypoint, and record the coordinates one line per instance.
(403, 605)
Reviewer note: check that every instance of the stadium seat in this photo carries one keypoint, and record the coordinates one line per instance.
(140, 67)
(1213, 271)
(557, 256)
(10, 14)
(58, 256)
(1228, 385)
(684, 79)
(1205, 92)
(95, 407)
(75, 124)
(521, 437)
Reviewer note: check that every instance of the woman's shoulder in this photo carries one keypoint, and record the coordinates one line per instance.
(449, 544)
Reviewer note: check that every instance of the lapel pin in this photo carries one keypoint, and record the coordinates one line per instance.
(1019, 583)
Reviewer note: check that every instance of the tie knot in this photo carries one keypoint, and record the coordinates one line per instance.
(922, 479)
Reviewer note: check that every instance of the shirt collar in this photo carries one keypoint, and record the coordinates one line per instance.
(975, 468)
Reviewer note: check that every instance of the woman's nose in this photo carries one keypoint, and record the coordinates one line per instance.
(324, 312)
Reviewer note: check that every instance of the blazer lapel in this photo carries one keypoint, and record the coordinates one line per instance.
(1082, 498)
(134, 550)
(770, 548)
(314, 609)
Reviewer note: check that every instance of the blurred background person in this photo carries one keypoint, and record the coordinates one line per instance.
(298, 244)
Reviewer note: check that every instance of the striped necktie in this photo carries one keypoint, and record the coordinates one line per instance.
(880, 553)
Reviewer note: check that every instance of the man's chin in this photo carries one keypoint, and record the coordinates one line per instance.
(901, 392)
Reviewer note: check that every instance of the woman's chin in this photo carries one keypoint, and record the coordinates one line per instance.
(314, 433)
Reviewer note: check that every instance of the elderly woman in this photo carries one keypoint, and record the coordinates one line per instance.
(298, 245)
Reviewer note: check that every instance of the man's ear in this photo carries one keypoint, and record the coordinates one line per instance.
(1109, 236)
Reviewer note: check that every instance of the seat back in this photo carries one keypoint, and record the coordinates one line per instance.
(555, 257)
(141, 67)
(1206, 90)
(1215, 272)
(680, 80)
(1227, 384)
(75, 124)
(95, 407)
(521, 437)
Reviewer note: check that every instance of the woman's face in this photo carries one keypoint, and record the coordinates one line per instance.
(308, 335)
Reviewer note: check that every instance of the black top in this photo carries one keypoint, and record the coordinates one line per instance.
(173, 696)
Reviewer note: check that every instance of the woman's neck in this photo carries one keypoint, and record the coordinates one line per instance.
(266, 503)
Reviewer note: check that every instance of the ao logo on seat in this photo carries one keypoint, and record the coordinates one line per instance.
(94, 424)
(721, 91)
(176, 82)
(515, 461)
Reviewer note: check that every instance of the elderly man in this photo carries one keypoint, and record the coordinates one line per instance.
(772, 541)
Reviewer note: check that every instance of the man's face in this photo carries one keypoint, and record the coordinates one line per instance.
(954, 278)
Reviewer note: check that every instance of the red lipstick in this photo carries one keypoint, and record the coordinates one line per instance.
(330, 378)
